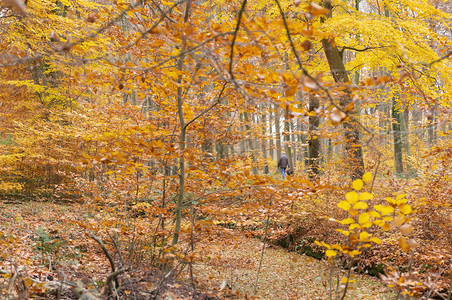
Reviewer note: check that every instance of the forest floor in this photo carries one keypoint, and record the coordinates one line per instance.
(38, 235)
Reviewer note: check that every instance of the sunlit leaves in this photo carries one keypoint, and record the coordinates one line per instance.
(360, 205)
(347, 221)
(352, 197)
(367, 177)
(405, 209)
(363, 218)
(345, 205)
(358, 184)
(366, 196)
(330, 253)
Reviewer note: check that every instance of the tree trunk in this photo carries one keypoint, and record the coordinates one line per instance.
(313, 141)
(398, 158)
(272, 142)
(182, 136)
(287, 146)
(277, 132)
(264, 141)
(250, 141)
(352, 140)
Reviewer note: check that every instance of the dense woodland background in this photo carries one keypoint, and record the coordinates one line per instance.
(159, 123)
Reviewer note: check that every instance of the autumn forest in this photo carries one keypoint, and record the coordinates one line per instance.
(140, 139)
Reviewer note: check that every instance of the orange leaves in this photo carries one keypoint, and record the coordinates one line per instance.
(316, 10)
(337, 116)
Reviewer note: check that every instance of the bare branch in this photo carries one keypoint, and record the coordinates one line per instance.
(237, 27)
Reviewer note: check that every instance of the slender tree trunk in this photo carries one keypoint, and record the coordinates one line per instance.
(287, 146)
(272, 142)
(251, 147)
(277, 132)
(352, 140)
(182, 136)
(313, 141)
(242, 143)
(398, 158)
(294, 143)
(431, 135)
(409, 170)
(264, 141)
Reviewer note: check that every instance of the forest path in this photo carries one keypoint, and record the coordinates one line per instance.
(234, 262)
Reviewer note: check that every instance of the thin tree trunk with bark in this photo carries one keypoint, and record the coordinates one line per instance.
(251, 147)
(398, 154)
(287, 146)
(277, 132)
(182, 135)
(264, 141)
(352, 140)
(312, 160)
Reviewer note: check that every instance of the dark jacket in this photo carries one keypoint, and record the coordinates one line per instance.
(283, 162)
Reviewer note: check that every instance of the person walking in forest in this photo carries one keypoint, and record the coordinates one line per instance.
(283, 163)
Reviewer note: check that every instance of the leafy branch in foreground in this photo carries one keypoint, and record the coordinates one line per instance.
(361, 219)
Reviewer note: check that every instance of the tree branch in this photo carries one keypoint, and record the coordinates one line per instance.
(231, 55)
(440, 59)
(209, 108)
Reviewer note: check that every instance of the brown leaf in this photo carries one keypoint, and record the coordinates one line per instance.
(306, 45)
(412, 243)
(317, 10)
(337, 116)
(403, 244)
(398, 220)
(309, 83)
(406, 229)
(91, 18)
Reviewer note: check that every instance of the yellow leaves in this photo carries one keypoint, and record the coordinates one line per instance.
(330, 253)
(367, 177)
(359, 205)
(344, 205)
(363, 218)
(354, 253)
(344, 280)
(344, 232)
(375, 240)
(352, 197)
(347, 221)
(353, 226)
(390, 201)
(374, 214)
(383, 209)
(405, 209)
(366, 196)
(363, 236)
(357, 184)
(403, 244)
